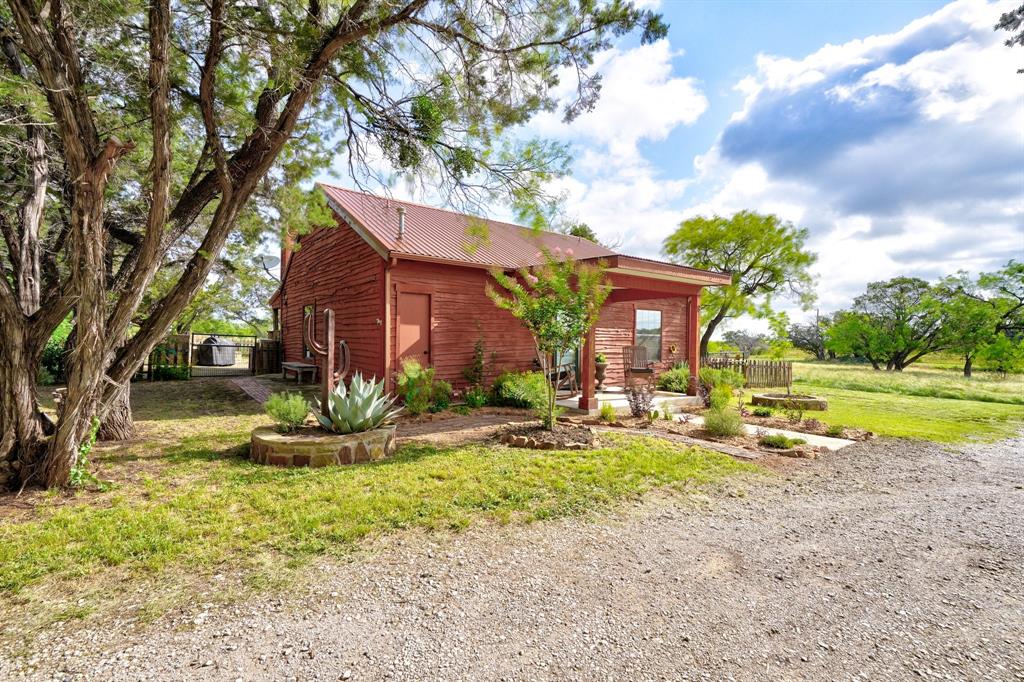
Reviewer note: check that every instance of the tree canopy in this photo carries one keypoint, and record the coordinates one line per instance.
(558, 302)
(766, 256)
(140, 134)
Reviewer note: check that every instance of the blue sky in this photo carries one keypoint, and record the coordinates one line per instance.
(893, 131)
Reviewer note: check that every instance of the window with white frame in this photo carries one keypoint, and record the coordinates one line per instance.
(648, 333)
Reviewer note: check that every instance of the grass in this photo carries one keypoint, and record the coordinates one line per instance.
(185, 502)
(925, 382)
(926, 403)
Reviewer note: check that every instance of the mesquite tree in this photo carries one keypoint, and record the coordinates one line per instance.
(766, 256)
(133, 133)
(558, 302)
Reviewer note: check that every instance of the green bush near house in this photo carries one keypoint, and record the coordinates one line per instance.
(608, 412)
(415, 385)
(676, 380)
(720, 396)
(476, 397)
(289, 410)
(762, 411)
(440, 396)
(520, 389)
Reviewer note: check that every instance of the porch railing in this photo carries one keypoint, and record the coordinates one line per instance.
(756, 373)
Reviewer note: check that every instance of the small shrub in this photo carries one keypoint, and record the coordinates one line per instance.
(520, 389)
(713, 377)
(476, 397)
(170, 373)
(474, 373)
(667, 415)
(289, 410)
(415, 385)
(720, 397)
(608, 412)
(676, 380)
(654, 415)
(835, 430)
(640, 399)
(762, 411)
(723, 422)
(796, 416)
(779, 441)
(461, 409)
(440, 396)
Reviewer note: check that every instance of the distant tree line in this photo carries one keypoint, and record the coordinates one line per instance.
(895, 323)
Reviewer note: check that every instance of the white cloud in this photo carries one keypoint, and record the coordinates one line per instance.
(902, 153)
(640, 100)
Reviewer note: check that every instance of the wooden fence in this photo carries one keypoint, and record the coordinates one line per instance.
(265, 357)
(174, 351)
(756, 373)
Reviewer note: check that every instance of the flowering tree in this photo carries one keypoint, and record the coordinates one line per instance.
(558, 302)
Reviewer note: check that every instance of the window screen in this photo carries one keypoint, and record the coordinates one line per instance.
(648, 333)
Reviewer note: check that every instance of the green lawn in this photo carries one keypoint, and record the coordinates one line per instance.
(185, 501)
(927, 402)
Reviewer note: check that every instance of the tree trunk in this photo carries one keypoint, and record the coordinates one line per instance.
(22, 425)
(968, 365)
(713, 323)
(117, 422)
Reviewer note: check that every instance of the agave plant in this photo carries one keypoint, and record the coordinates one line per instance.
(359, 407)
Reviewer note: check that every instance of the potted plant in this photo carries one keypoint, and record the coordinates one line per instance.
(600, 367)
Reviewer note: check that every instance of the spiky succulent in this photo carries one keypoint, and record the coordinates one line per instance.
(359, 407)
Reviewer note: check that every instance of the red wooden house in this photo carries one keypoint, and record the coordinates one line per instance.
(406, 279)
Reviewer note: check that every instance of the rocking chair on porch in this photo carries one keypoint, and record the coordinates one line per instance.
(636, 366)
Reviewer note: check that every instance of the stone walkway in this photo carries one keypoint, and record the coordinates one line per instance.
(812, 439)
(253, 388)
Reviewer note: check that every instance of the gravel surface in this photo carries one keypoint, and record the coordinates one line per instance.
(885, 560)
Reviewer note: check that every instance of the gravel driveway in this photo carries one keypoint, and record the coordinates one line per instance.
(886, 560)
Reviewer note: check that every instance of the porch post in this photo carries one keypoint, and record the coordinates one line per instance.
(588, 394)
(693, 342)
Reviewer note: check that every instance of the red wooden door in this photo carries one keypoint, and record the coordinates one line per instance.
(414, 327)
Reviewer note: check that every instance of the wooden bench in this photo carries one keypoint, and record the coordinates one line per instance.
(298, 369)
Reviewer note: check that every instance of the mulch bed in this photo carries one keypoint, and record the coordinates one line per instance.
(563, 437)
(808, 426)
(696, 431)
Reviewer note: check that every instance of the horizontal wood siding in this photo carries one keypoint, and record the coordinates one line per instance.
(615, 329)
(460, 314)
(334, 268)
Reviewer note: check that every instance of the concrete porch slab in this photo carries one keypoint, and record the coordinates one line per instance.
(663, 400)
(811, 438)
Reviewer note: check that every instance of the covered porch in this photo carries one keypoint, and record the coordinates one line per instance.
(653, 304)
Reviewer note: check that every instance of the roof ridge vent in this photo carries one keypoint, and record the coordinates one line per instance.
(401, 221)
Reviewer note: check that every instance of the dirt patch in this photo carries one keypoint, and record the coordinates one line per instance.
(561, 437)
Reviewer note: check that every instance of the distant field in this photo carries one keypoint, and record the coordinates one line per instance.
(921, 402)
(917, 381)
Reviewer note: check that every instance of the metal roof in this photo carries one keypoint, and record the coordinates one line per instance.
(436, 234)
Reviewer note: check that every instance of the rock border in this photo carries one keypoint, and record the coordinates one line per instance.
(268, 446)
(531, 443)
(790, 402)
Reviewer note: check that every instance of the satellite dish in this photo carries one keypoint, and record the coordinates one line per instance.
(270, 261)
